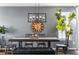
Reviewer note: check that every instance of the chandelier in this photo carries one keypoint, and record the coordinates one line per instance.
(36, 16)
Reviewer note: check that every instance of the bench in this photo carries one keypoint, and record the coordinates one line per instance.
(34, 50)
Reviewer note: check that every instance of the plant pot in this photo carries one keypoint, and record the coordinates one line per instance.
(3, 42)
(61, 35)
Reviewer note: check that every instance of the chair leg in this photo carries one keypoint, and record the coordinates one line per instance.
(32, 45)
(56, 50)
(64, 50)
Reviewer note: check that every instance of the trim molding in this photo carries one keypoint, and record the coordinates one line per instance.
(38, 4)
(69, 48)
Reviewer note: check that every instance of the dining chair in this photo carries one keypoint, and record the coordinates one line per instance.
(10, 48)
(28, 44)
(62, 48)
(41, 44)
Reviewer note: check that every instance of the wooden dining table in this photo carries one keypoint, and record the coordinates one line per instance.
(30, 39)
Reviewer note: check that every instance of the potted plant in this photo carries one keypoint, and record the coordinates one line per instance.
(69, 30)
(3, 30)
(61, 26)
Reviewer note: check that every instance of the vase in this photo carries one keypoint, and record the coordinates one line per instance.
(3, 41)
(61, 35)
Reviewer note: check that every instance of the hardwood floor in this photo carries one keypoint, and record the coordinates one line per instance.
(70, 52)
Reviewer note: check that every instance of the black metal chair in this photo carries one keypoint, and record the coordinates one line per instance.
(10, 48)
(41, 44)
(62, 48)
(28, 44)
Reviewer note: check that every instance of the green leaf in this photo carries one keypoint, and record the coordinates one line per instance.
(71, 16)
(3, 29)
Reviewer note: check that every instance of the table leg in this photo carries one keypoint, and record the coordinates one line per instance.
(20, 44)
(49, 44)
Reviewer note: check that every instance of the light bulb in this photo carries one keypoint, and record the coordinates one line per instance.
(43, 17)
(30, 17)
(40, 17)
(37, 17)
(33, 16)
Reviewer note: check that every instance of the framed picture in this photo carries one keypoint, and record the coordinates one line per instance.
(36, 16)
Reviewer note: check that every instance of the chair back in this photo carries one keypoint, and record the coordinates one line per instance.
(41, 35)
(30, 35)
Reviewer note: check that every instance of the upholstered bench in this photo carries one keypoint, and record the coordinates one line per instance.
(34, 50)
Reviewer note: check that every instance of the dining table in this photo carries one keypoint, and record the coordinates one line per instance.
(31, 39)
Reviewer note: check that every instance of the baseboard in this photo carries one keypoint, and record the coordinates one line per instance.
(68, 48)
(73, 48)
